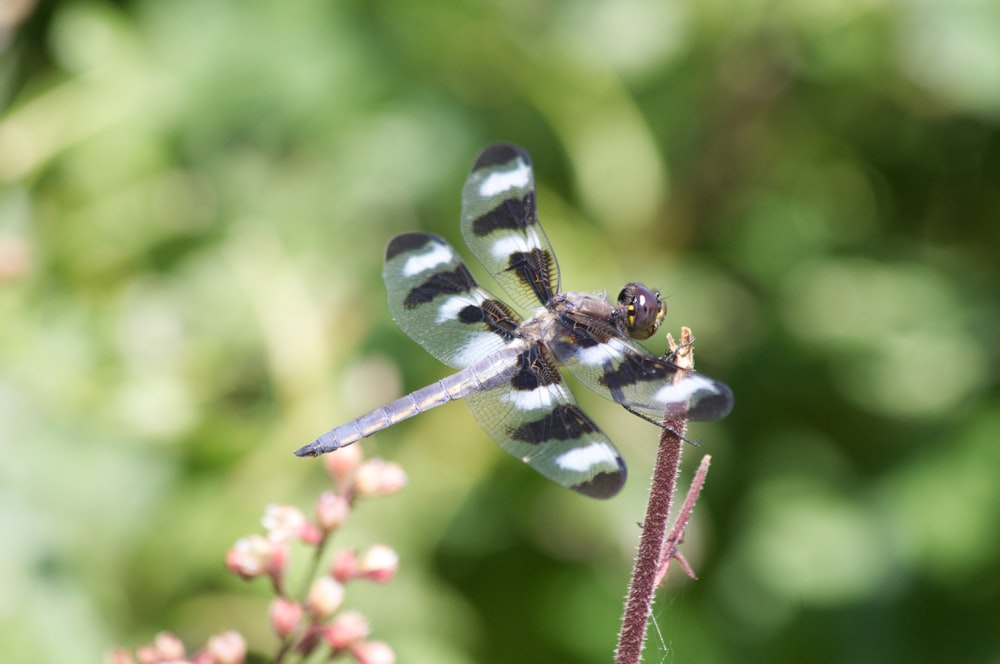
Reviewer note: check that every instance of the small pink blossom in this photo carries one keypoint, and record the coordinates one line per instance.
(283, 522)
(348, 628)
(119, 656)
(148, 655)
(169, 646)
(255, 555)
(379, 563)
(332, 510)
(310, 534)
(227, 648)
(15, 257)
(342, 463)
(326, 595)
(378, 477)
(345, 565)
(286, 522)
(165, 648)
(373, 652)
(279, 559)
(285, 615)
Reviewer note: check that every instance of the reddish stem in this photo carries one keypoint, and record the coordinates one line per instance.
(654, 547)
(639, 603)
(676, 537)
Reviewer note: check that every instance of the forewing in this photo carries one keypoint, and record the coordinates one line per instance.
(535, 418)
(434, 299)
(500, 225)
(648, 385)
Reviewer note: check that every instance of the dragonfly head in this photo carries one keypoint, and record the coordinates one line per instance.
(644, 310)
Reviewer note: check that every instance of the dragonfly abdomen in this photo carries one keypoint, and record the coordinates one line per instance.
(482, 375)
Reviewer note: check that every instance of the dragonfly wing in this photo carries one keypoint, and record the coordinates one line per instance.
(500, 225)
(436, 301)
(627, 373)
(535, 418)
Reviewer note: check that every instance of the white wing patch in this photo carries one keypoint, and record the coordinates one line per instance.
(592, 357)
(582, 459)
(450, 308)
(512, 244)
(501, 181)
(597, 356)
(542, 396)
(684, 390)
(440, 253)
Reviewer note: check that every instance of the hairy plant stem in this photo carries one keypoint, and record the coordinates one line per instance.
(655, 548)
(639, 602)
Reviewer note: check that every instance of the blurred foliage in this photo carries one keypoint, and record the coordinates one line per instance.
(194, 201)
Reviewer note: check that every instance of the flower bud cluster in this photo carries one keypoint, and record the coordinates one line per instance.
(225, 648)
(315, 620)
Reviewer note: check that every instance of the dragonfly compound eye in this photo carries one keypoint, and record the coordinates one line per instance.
(644, 310)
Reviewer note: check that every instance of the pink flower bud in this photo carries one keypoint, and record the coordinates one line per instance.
(310, 534)
(285, 616)
(344, 566)
(119, 656)
(349, 628)
(286, 522)
(332, 510)
(283, 522)
(373, 652)
(15, 256)
(227, 648)
(342, 463)
(379, 564)
(149, 655)
(254, 556)
(168, 647)
(279, 561)
(378, 477)
(326, 594)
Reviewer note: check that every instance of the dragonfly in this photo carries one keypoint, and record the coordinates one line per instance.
(509, 367)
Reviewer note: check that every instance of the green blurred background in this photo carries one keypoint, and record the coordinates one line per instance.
(194, 202)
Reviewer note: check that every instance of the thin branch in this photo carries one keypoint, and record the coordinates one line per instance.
(676, 537)
(655, 548)
(639, 603)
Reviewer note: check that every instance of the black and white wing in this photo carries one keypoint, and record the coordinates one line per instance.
(535, 418)
(500, 225)
(435, 300)
(650, 386)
